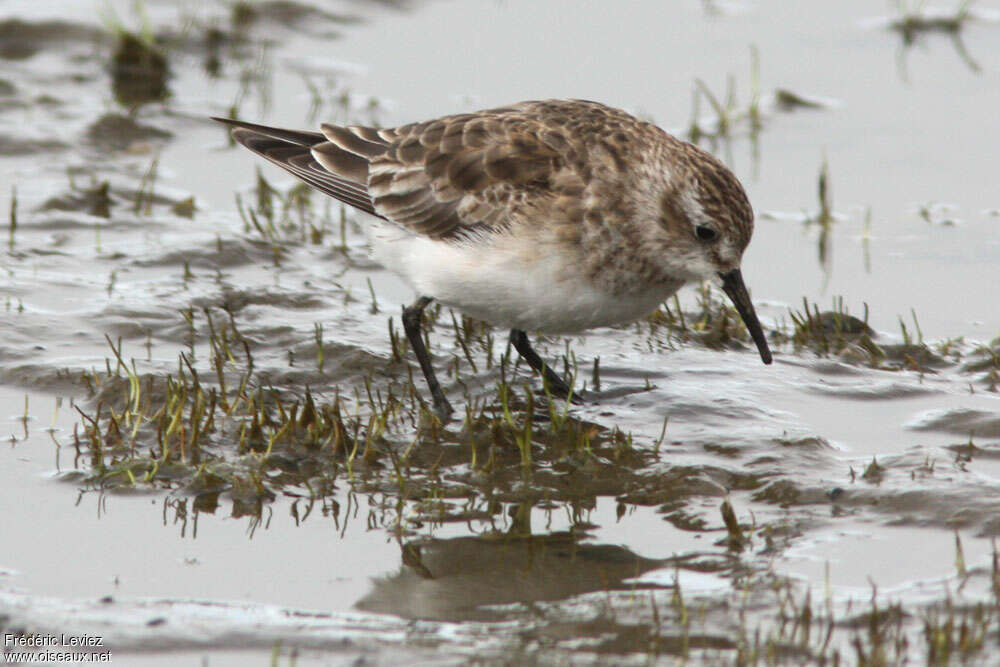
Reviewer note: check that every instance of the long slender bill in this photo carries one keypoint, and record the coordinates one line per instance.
(732, 285)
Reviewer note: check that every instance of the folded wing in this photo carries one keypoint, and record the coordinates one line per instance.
(445, 179)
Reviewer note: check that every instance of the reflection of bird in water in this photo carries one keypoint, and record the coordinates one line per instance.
(453, 580)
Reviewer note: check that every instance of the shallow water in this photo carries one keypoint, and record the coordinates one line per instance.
(584, 554)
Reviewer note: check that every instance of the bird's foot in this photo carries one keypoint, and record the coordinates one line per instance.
(557, 387)
(442, 409)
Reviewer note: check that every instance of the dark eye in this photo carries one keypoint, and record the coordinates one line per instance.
(706, 233)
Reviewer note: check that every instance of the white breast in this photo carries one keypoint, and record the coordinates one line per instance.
(508, 281)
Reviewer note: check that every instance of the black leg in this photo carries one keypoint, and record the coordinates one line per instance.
(412, 315)
(556, 384)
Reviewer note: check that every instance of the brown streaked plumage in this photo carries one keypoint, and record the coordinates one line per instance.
(548, 215)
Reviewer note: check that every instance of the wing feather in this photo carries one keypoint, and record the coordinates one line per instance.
(350, 140)
(453, 176)
(292, 151)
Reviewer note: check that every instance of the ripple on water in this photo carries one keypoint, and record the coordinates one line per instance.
(20, 40)
(873, 389)
(965, 422)
(117, 132)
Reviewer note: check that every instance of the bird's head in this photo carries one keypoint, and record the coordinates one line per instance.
(705, 222)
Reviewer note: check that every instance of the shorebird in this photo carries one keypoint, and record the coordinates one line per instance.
(553, 216)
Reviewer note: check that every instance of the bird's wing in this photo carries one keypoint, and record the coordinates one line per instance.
(295, 152)
(450, 177)
(470, 173)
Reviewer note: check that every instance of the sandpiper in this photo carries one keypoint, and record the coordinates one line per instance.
(553, 216)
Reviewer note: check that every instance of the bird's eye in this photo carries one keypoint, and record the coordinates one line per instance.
(706, 233)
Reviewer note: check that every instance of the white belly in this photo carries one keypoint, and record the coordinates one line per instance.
(508, 282)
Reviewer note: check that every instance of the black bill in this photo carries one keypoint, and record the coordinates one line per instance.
(732, 285)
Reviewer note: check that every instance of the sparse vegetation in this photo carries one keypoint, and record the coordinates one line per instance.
(914, 20)
(241, 433)
(139, 68)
